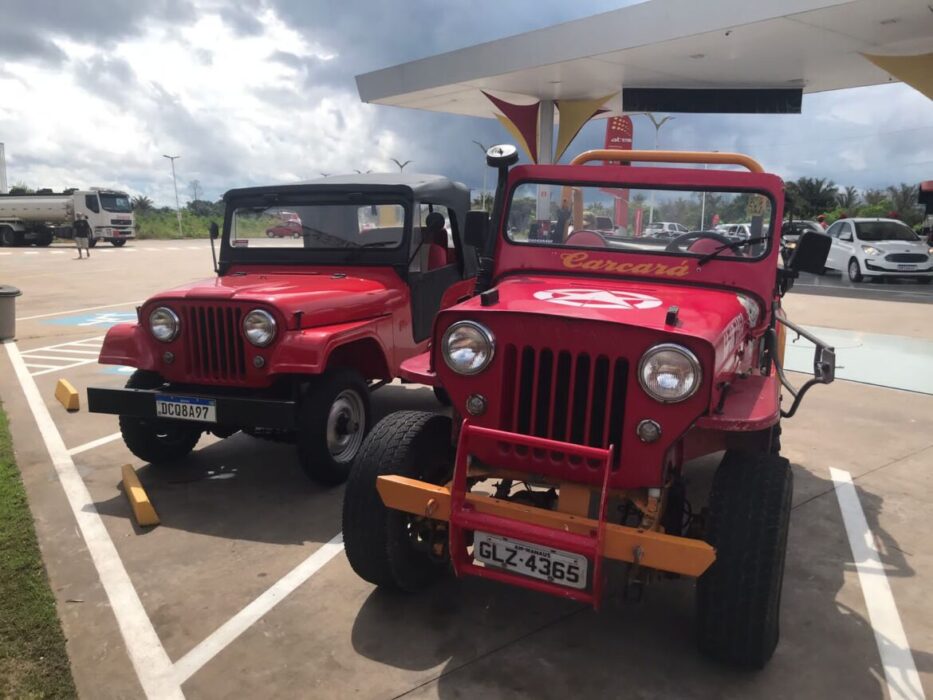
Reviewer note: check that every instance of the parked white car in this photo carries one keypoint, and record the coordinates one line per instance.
(665, 229)
(878, 248)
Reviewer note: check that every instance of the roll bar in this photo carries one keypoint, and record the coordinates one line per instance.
(699, 157)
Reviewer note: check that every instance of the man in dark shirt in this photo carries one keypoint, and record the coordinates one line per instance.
(82, 235)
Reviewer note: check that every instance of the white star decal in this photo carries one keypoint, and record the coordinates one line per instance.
(598, 299)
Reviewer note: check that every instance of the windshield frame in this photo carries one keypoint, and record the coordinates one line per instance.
(895, 224)
(115, 195)
(297, 196)
(767, 232)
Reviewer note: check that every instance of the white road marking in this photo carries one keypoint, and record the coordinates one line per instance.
(153, 667)
(195, 659)
(77, 311)
(900, 673)
(5, 253)
(56, 252)
(30, 252)
(75, 351)
(94, 443)
(59, 369)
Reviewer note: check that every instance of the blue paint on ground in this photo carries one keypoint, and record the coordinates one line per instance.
(97, 319)
(893, 361)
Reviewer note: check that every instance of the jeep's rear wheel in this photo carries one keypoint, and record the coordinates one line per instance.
(739, 596)
(156, 441)
(333, 420)
(387, 547)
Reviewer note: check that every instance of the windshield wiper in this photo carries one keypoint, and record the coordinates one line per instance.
(729, 246)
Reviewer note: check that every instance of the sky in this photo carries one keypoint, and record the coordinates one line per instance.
(94, 93)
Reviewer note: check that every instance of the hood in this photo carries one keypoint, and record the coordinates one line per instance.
(702, 312)
(323, 296)
(898, 246)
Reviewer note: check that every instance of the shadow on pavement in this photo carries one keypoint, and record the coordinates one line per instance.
(244, 488)
(497, 641)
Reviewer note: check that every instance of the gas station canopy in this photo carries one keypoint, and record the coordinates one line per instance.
(676, 55)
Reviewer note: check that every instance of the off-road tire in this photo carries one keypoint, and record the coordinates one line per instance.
(318, 397)
(854, 271)
(415, 444)
(44, 239)
(738, 599)
(158, 442)
(118, 243)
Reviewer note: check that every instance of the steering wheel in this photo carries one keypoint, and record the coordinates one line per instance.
(675, 246)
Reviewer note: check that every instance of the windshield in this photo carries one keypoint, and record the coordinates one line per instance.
(115, 202)
(695, 222)
(319, 226)
(884, 231)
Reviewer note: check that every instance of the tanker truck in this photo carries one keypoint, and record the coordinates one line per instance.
(35, 219)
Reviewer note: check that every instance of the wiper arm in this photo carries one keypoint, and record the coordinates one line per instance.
(729, 246)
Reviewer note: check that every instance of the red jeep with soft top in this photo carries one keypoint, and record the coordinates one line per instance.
(292, 335)
(589, 369)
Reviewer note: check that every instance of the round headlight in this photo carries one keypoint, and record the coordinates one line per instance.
(259, 327)
(467, 347)
(669, 373)
(164, 324)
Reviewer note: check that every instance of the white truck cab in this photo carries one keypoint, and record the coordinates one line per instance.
(35, 219)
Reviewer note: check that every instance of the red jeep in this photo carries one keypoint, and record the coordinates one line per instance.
(585, 374)
(292, 335)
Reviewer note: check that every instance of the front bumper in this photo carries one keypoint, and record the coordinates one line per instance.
(596, 539)
(883, 267)
(232, 410)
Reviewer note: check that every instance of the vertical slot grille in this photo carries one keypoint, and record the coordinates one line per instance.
(562, 396)
(214, 343)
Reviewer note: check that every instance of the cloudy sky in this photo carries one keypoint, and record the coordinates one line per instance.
(94, 92)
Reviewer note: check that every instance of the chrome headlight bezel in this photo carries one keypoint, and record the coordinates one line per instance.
(684, 352)
(174, 324)
(483, 334)
(271, 329)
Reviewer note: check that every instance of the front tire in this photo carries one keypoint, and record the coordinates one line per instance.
(387, 547)
(855, 272)
(739, 597)
(156, 441)
(333, 420)
(118, 242)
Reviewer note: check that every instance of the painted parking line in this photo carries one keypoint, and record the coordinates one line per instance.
(93, 444)
(221, 638)
(78, 311)
(900, 673)
(62, 356)
(148, 656)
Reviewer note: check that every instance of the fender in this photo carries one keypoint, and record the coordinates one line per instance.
(309, 350)
(127, 344)
(418, 369)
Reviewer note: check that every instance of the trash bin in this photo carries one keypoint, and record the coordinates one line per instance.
(8, 311)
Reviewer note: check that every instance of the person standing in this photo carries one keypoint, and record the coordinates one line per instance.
(82, 235)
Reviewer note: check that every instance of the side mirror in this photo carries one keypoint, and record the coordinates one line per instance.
(476, 229)
(810, 253)
(215, 230)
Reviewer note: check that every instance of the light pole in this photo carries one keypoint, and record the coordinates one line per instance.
(482, 200)
(175, 184)
(658, 123)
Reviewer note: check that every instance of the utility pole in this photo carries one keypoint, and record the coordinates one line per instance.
(658, 123)
(175, 183)
(485, 170)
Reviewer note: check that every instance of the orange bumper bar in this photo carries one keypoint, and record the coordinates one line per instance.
(679, 555)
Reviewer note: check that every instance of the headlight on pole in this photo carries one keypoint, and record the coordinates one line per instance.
(259, 327)
(467, 347)
(669, 373)
(164, 324)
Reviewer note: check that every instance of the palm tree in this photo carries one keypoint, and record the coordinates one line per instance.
(809, 196)
(874, 197)
(904, 200)
(849, 199)
(142, 203)
(401, 166)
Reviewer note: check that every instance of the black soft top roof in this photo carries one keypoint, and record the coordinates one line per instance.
(435, 189)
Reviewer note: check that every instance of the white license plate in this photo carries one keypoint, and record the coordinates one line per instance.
(186, 408)
(906, 267)
(554, 565)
